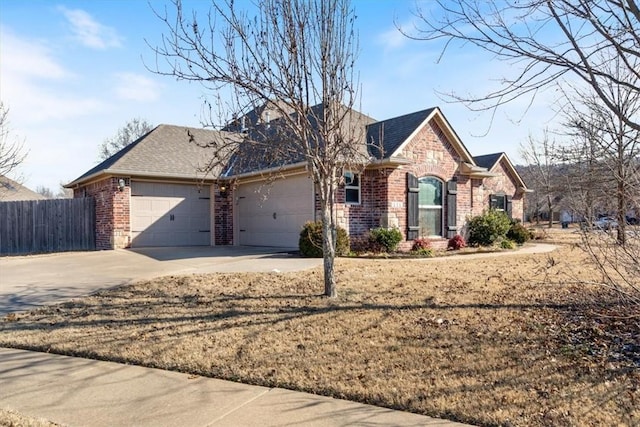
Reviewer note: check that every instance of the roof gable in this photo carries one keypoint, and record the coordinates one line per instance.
(487, 161)
(490, 161)
(385, 137)
(397, 132)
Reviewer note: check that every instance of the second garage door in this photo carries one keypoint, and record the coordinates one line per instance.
(273, 214)
(170, 214)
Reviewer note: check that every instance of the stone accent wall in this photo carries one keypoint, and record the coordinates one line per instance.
(113, 225)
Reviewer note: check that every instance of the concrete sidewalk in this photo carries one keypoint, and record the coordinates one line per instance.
(81, 392)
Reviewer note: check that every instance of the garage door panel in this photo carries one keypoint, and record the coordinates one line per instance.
(169, 214)
(290, 199)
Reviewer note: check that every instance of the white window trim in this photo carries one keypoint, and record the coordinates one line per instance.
(353, 187)
(504, 202)
(441, 207)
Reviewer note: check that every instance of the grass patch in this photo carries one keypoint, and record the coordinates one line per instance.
(502, 341)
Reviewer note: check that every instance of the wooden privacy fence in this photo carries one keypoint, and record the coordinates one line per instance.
(37, 226)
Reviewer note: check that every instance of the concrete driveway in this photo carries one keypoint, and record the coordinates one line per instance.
(29, 281)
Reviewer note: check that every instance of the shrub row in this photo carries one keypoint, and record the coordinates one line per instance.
(490, 228)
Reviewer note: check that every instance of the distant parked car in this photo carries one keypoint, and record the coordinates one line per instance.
(606, 223)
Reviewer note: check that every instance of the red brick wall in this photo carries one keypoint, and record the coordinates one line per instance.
(113, 225)
(223, 217)
(498, 185)
(384, 194)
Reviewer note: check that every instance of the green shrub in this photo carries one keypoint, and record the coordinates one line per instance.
(507, 244)
(424, 252)
(518, 233)
(386, 239)
(310, 242)
(486, 229)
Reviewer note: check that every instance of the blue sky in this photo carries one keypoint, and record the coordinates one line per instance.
(72, 73)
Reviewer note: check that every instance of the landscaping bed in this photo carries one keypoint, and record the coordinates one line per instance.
(517, 340)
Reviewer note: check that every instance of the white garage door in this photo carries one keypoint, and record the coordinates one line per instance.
(273, 214)
(170, 215)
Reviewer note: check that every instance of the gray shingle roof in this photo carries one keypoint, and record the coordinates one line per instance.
(166, 151)
(11, 191)
(273, 146)
(393, 132)
(170, 151)
(487, 160)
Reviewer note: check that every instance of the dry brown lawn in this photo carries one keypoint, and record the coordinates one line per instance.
(512, 340)
(9, 418)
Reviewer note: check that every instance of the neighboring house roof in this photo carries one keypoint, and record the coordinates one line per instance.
(11, 191)
(257, 116)
(166, 151)
(490, 161)
(272, 146)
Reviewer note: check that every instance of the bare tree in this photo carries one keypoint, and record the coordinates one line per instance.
(611, 149)
(543, 41)
(12, 151)
(127, 134)
(45, 191)
(294, 57)
(542, 174)
(614, 144)
(63, 193)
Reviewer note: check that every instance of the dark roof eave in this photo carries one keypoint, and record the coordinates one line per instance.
(122, 172)
(268, 171)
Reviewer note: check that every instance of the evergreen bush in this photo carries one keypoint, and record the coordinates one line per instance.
(310, 242)
(488, 228)
(386, 239)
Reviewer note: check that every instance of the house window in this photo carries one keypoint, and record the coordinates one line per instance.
(352, 188)
(430, 206)
(498, 202)
(501, 202)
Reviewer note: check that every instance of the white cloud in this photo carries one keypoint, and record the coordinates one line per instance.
(28, 58)
(90, 32)
(35, 85)
(136, 87)
(392, 39)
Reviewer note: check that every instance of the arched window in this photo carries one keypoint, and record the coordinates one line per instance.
(430, 206)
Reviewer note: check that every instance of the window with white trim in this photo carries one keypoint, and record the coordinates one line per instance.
(430, 206)
(352, 188)
(498, 202)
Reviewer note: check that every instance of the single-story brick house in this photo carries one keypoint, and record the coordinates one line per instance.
(421, 179)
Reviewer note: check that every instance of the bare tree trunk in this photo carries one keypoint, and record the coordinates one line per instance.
(295, 57)
(329, 253)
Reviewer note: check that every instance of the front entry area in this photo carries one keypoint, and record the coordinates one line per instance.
(272, 214)
(167, 214)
